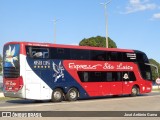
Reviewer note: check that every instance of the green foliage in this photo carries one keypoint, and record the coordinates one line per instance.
(97, 42)
(154, 74)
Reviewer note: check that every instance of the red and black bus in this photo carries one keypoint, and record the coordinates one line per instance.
(44, 71)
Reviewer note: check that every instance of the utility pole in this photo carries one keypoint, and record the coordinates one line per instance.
(55, 22)
(106, 20)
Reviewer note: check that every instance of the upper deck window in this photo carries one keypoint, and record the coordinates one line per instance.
(37, 52)
(59, 53)
(142, 58)
(77, 54)
(129, 57)
(98, 55)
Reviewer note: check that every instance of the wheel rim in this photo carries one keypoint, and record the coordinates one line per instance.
(134, 91)
(57, 95)
(73, 94)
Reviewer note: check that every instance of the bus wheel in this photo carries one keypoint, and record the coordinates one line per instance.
(135, 91)
(57, 95)
(72, 94)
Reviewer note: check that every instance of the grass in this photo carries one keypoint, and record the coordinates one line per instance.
(7, 98)
(156, 90)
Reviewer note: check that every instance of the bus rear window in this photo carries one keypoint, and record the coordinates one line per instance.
(11, 65)
(11, 55)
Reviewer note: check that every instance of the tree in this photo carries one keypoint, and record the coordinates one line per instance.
(97, 42)
(154, 74)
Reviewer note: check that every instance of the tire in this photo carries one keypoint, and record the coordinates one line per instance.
(57, 95)
(134, 91)
(72, 94)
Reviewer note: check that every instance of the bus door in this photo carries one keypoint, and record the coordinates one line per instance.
(128, 82)
(116, 85)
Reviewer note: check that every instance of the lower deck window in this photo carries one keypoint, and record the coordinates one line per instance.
(102, 76)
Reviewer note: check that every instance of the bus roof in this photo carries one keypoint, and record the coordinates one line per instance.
(69, 46)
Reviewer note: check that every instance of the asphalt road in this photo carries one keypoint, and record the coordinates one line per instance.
(145, 102)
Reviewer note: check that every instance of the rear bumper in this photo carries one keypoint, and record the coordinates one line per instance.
(13, 94)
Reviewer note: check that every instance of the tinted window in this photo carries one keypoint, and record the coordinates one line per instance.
(92, 76)
(40, 52)
(114, 56)
(102, 76)
(128, 76)
(84, 77)
(129, 57)
(98, 55)
(145, 71)
(11, 55)
(109, 76)
(80, 54)
(142, 58)
(114, 76)
(11, 62)
(37, 52)
(60, 53)
(119, 76)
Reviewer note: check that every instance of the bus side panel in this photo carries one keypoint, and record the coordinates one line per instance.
(148, 86)
(145, 86)
(127, 87)
(50, 74)
(116, 88)
(36, 88)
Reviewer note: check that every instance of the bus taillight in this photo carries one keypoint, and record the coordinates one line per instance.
(13, 84)
(20, 82)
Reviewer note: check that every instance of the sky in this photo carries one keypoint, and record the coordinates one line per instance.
(132, 24)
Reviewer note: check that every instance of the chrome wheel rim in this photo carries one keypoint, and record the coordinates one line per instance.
(134, 91)
(57, 95)
(73, 94)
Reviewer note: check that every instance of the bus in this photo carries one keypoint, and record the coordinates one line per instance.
(45, 71)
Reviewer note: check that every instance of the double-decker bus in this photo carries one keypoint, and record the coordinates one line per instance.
(44, 71)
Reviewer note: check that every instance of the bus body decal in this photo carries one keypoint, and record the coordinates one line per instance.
(54, 74)
(11, 56)
(58, 69)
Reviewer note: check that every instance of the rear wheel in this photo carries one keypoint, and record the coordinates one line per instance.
(72, 94)
(57, 95)
(135, 91)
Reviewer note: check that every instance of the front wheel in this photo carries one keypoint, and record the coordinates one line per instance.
(135, 91)
(72, 94)
(57, 95)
